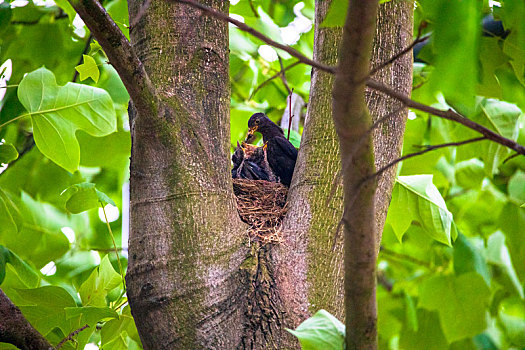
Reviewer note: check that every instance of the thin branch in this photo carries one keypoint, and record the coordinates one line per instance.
(391, 60)
(283, 76)
(60, 15)
(217, 14)
(449, 114)
(252, 7)
(70, 336)
(277, 75)
(290, 113)
(428, 148)
(120, 53)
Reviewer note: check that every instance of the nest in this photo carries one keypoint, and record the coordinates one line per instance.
(262, 205)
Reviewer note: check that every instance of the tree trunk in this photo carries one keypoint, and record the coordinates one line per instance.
(192, 281)
(186, 239)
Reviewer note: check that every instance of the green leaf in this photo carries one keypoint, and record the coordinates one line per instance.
(44, 307)
(516, 187)
(84, 196)
(88, 69)
(460, 301)
(94, 290)
(322, 331)
(8, 216)
(469, 258)
(68, 9)
(455, 48)
(336, 15)
(428, 336)
(415, 198)
(25, 272)
(498, 254)
(512, 316)
(8, 153)
(469, 174)
(58, 111)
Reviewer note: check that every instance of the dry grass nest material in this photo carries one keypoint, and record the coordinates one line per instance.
(262, 205)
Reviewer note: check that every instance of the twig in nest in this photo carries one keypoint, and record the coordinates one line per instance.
(262, 205)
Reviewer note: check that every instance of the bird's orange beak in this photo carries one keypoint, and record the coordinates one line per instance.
(252, 130)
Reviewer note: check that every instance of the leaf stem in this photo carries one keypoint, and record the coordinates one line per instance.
(15, 118)
(114, 246)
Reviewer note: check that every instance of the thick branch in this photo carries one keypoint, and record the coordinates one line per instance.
(120, 53)
(15, 328)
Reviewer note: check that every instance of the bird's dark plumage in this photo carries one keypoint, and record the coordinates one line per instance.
(282, 155)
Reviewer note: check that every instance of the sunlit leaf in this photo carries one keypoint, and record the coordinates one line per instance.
(415, 198)
(58, 111)
(94, 290)
(88, 69)
(84, 196)
(460, 302)
(8, 153)
(321, 331)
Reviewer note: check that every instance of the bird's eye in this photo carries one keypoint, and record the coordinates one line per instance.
(256, 121)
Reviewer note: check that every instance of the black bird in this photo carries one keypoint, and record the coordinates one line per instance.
(282, 155)
(249, 162)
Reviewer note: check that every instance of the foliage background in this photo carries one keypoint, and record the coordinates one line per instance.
(451, 265)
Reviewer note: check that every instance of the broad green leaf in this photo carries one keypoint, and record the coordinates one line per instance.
(469, 258)
(58, 111)
(84, 196)
(516, 187)
(498, 254)
(460, 301)
(469, 174)
(44, 307)
(512, 222)
(115, 328)
(415, 198)
(8, 153)
(512, 316)
(94, 290)
(25, 272)
(39, 239)
(322, 331)
(428, 336)
(88, 69)
(91, 316)
(9, 225)
(110, 151)
(455, 48)
(4, 255)
(66, 6)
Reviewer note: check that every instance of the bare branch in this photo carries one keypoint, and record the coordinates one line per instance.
(258, 35)
(119, 52)
(283, 76)
(70, 336)
(15, 328)
(449, 114)
(427, 149)
(277, 75)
